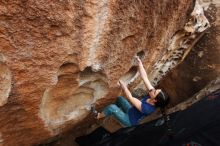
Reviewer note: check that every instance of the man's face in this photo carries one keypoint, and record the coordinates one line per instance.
(154, 93)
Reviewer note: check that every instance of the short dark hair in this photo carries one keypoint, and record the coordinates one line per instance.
(162, 99)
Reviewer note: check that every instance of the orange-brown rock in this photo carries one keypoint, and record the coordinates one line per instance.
(202, 65)
(59, 57)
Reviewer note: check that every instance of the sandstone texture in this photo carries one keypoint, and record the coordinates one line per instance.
(202, 64)
(57, 58)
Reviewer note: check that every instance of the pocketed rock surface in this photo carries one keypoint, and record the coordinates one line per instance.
(59, 57)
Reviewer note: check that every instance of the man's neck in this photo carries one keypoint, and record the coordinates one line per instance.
(150, 102)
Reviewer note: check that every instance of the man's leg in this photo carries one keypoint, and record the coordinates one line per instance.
(123, 103)
(118, 114)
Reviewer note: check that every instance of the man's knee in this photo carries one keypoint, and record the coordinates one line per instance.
(110, 109)
(120, 98)
(113, 107)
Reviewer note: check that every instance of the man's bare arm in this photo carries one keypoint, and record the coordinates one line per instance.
(134, 101)
(144, 74)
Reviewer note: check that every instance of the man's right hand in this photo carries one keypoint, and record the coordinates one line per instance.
(139, 62)
(122, 84)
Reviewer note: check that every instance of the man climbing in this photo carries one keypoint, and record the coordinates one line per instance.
(131, 114)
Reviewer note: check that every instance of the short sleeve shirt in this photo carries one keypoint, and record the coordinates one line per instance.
(135, 116)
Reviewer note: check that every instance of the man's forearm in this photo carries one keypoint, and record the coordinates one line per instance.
(127, 93)
(147, 83)
(134, 101)
(145, 77)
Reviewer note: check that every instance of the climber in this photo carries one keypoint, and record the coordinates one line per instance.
(131, 114)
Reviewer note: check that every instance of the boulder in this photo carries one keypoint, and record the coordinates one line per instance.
(57, 58)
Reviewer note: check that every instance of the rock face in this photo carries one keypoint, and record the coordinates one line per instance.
(59, 57)
(202, 65)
